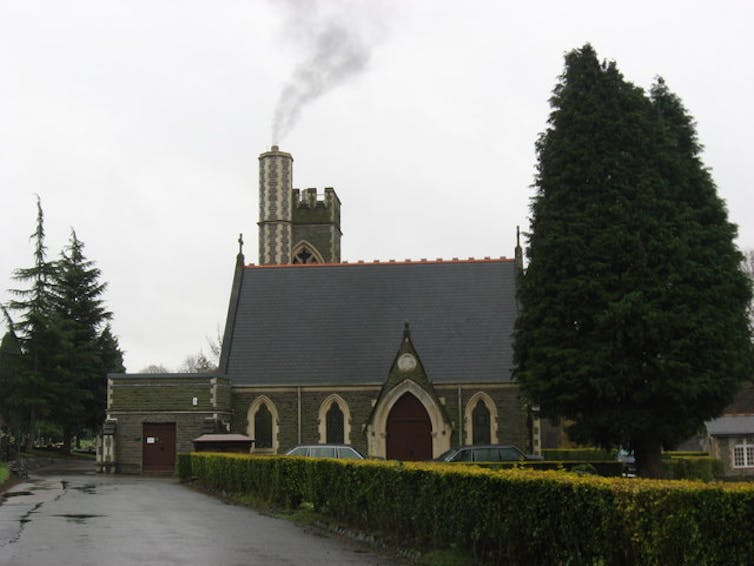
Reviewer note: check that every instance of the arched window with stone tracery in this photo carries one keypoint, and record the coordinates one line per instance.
(480, 418)
(334, 421)
(305, 253)
(263, 428)
(335, 429)
(263, 425)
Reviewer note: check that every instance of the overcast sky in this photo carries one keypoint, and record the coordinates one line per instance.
(139, 124)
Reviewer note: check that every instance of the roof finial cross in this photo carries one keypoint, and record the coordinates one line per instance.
(240, 244)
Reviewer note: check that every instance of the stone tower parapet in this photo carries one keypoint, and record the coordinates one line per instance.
(295, 226)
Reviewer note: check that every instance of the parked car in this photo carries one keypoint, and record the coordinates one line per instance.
(629, 462)
(326, 451)
(486, 453)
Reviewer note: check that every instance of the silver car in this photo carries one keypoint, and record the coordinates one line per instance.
(326, 451)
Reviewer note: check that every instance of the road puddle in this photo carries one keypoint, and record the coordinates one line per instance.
(16, 494)
(79, 518)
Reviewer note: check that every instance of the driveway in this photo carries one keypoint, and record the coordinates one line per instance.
(72, 518)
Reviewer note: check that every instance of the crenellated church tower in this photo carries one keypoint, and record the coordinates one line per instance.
(295, 226)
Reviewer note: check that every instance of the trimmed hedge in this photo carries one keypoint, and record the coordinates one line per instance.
(677, 465)
(516, 516)
(683, 453)
(607, 468)
(705, 468)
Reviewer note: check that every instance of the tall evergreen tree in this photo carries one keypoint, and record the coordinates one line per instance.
(633, 304)
(78, 303)
(11, 403)
(39, 332)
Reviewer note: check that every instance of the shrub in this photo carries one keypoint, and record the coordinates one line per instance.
(584, 469)
(608, 468)
(682, 453)
(519, 516)
(703, 468)
(582, 454)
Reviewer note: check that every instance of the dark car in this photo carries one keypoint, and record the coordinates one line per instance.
(488, 453)
(326, 451)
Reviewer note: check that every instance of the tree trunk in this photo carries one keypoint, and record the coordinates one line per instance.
(67, 435)
(648, 451)
(32, 430)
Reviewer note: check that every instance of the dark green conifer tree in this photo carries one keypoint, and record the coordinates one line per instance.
(12, 405)
(633, 305)
(78, 303)
(110, 361)
(40, 334)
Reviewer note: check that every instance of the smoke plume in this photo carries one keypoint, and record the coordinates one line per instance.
(338, 38)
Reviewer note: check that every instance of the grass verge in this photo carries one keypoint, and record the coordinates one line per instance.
(4, 474)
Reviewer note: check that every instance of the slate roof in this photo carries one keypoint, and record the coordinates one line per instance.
(744, 401)
(728, 425)
(343, 323)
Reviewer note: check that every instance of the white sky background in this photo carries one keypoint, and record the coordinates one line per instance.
(139, 124)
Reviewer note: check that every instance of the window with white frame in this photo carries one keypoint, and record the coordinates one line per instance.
(743, 454)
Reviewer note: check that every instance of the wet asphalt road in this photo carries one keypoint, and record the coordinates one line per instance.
(91, 519)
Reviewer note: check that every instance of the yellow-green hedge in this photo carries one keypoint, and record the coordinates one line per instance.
(607, 468)
(513, 516)
(705, 468)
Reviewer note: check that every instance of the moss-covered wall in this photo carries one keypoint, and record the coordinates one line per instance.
(512, 423)
(512, 416)
(169, 393)
(135, 400)
(156, 399)
(358, 400)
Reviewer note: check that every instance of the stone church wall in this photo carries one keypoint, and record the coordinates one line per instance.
(358, 400)
(512, 427)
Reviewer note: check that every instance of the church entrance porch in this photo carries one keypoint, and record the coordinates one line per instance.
(409, 430)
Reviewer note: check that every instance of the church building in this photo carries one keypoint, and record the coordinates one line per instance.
(400, 359)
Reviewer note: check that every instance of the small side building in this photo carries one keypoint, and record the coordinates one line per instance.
(151, 417)
(730, 437)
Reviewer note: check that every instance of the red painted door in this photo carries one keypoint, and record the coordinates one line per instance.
(409, 430)
(158, 448)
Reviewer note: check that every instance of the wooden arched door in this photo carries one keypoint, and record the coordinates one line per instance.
(409, 430)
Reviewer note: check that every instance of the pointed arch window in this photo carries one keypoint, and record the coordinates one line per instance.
(335, 429)
(304, 256)
(305, 252)
(480, 418)
(263, 427)
(334, 421)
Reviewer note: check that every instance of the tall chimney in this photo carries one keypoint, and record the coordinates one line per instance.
(275, 185)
